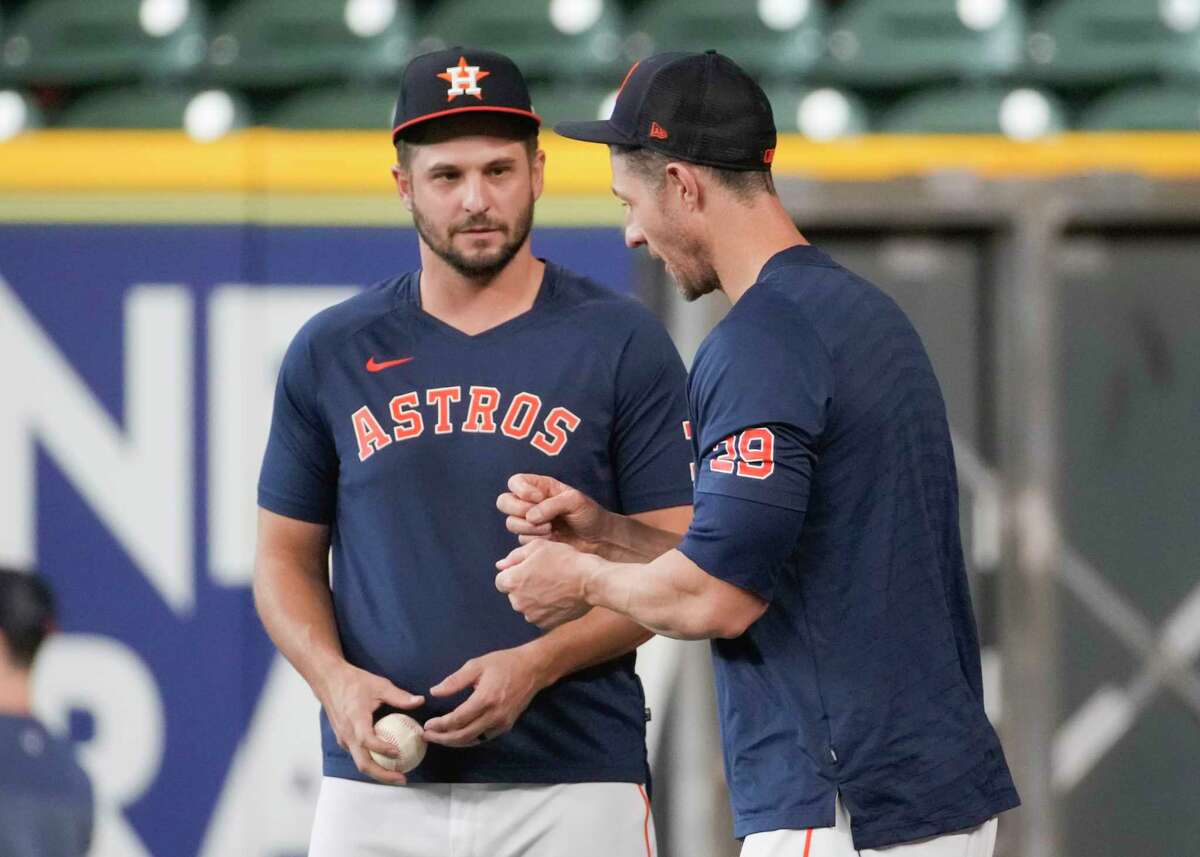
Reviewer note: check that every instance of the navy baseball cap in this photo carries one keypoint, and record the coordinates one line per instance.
(700, 108)
(460, 80)
(26, 613)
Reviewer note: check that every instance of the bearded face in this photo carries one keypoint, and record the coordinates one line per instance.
(478, 246)
(649, 222)
(471, 184)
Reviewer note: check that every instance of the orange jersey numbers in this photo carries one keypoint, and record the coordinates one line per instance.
(750, 454)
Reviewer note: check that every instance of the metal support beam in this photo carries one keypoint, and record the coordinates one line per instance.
(1028, 385)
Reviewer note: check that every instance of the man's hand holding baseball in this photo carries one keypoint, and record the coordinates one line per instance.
(350, 697)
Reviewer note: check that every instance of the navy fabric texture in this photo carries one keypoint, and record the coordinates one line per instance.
(405, 462)
(45, 797)
(743, 542)
(863, 676)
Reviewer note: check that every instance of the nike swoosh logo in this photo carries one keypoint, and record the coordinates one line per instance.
(373, 366)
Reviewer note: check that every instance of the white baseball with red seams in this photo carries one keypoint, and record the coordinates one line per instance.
(405, 734)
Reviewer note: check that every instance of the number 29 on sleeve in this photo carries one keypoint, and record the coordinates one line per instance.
(750, 454)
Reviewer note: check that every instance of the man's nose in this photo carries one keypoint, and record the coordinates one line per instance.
(475, 199)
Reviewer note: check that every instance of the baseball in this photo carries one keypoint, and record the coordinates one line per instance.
(403, 733)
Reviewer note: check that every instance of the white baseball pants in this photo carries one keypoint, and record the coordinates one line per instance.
(357, 819)
(836, 842)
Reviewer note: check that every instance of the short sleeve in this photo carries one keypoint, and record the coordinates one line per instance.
(761, 403)
(742, 542)
(650, 452)
(300, 467)
(760, 394)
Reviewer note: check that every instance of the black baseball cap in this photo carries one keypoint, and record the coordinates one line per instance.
(26, 613)
(700, 108)
(460, 80)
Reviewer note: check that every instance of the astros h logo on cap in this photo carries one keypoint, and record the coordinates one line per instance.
(464, 79)
(424, 94)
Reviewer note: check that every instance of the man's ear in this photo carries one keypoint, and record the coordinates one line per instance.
(683, 183)
(403, 181)
(537, 169)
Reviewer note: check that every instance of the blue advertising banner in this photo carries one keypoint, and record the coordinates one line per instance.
(137, 365)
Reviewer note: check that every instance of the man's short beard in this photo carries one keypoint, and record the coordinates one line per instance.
(478, 267)
(695, 287)
(700, 278)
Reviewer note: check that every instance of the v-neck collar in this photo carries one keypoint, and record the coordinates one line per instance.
(409, 292)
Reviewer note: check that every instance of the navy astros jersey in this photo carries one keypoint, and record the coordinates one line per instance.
(400, 431)
(45, 797)
(821, 437)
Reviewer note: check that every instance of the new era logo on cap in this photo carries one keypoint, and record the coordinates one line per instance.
(658, 132)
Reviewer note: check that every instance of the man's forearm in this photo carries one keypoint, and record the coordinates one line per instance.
(596, 638)
(670, 596)
(627, 539)
(297, 611)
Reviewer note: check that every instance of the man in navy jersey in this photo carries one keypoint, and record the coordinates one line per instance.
(399, 415)
(45, 797)
(824, 555)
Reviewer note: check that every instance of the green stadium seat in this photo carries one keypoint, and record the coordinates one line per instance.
(558, 40)
(887, 43)
(819, 113)
(1019, 113)
(769, 38)
(1145, 107)
(18, 113)
(1092, 42)
(4, 73)
(205, 115)
(85, 42)
(281, 43)
(558, 103)
(363, 107)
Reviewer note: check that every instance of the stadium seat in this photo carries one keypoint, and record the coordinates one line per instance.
(85, 42)
(821, 113)
(329, 107)
(885, 43)
(280, 43)
(1091, 42)
(1019, 113)
(548, 39)
(18, 113)
(204, 115)
(569, 102)
(769, 38)
(1145, 107)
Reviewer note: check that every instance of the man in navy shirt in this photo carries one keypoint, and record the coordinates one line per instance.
(399, 415)
(45, 797)
(824, 556)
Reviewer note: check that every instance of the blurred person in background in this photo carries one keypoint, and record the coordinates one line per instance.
(824, 557)
(399, 415)
(45, 797)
